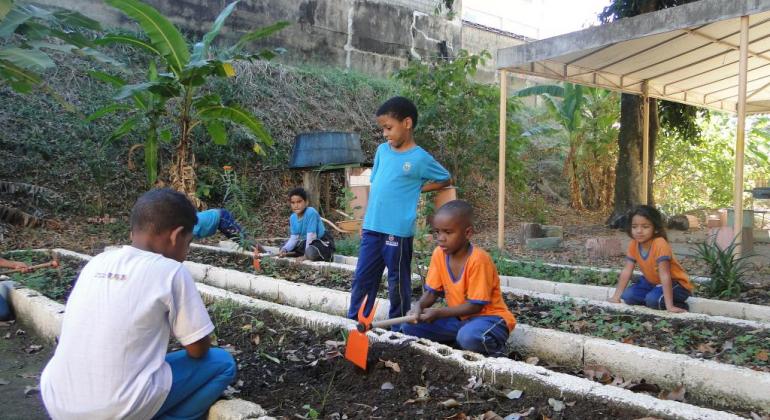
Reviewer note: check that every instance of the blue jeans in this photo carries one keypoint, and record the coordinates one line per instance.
(482, 334)
(645, 293)
(377, 251)
(5, 309)
(196, 383)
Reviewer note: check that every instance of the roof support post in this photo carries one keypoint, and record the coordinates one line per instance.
(645, 141)
(501, 161)
(740, 135)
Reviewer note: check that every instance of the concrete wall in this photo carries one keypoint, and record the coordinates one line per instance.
(371, 36)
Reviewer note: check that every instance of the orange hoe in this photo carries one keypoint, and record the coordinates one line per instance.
(357, 349)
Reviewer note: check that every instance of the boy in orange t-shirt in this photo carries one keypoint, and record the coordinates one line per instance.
(476, 317)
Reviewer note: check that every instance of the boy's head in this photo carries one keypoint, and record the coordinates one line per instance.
(397, 117)
(162, 221)
(298, 200)
(453, 223)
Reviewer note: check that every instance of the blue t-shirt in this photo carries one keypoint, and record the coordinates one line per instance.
(208, 222)
(310, 222)
(397, 178)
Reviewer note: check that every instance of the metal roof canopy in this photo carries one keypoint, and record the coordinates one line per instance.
(687, 54)
(710, 53)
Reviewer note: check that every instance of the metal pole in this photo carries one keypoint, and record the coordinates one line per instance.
(645, 142)
(501, 161)
(740, 135)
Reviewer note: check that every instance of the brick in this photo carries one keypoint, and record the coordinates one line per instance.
(543, 243)
(604, 247)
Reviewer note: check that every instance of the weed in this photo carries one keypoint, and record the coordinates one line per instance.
(726, 269)
(348, 245)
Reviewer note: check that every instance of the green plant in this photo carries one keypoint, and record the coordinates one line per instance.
(311, 412)
(176, 98)
(726, 269)
(348, 245)
(345, 201)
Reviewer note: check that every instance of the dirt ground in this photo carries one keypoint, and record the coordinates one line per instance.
(20, 366)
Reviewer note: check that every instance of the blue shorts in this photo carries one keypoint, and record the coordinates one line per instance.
(645, 293)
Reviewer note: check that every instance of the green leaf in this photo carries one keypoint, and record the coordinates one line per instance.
(217, 132)
(124, 128)
(163, 87)
(553, 90)
(128, 40)
(201, 49)
(5, 7)
(107, 78)
(12, 21)
(258, 34)
(28, 59)
(165, 135)
(72, 18)
(109, 109)
(238, 116)
(164, 36)
(19, 75)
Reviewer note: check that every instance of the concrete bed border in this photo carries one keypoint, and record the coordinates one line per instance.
(721, 309)
(45, 317)
(708, 380)
(496, 370)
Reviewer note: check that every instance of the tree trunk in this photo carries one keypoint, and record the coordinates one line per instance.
(628, 172)
(182, 169)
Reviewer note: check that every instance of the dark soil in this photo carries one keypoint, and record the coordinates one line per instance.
(54, 283)
(294, 372)
(23, 357)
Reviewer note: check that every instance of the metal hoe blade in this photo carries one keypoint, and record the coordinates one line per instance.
(357, 348)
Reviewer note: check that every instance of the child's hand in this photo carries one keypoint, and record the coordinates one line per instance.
(416, 313)
(429, 314)
(613, 299)
(281, 252)
(17, 265)
(676, 309)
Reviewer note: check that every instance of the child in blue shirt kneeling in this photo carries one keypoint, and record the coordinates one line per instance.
(402, 170)
(308, 239)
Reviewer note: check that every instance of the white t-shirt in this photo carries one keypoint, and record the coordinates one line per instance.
(110, 361)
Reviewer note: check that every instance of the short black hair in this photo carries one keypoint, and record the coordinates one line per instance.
(653, 215)
(399, 108)
(161, 210)
(299, 192)
(458, 209)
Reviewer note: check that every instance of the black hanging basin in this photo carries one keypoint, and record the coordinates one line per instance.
(326, 148)
(761, 192)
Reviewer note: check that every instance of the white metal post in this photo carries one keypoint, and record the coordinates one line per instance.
(740, 135)
(645, 141)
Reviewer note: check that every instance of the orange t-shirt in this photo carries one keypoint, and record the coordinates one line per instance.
(659, 251)
(478, 283)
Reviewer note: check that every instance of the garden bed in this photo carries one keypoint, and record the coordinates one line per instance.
(54, 283)
(292, 371)
(733, 344)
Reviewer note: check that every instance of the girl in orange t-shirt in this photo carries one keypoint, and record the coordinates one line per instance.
(663, 284)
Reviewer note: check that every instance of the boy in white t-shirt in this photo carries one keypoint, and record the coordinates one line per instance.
(111, 360)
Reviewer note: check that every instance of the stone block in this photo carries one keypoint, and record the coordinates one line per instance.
(586, 291)
(635, 363)
(530, 230)
(553, 231)
(716, 307)
(543, 243)
(604, 247)
(727, 384)
(533, 285)
(693, 221)
(550, 346)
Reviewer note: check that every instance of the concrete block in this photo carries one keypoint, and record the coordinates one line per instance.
(693, 221)
(604, 247)
(635, 363)
(236, 410)
(43, 314)
(716, 307)
(543, 243)
(727, 385)
(530, 230)
(543, 286)
(553, 231)
(600, 293)
(756, 312)
(550, 346)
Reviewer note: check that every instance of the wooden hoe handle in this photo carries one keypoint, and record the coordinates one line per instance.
(386, 323)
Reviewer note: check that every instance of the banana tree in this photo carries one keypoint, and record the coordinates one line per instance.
(175, 91)
(23, 58)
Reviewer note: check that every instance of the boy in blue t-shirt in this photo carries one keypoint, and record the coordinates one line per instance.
(307, 237)
(402, 170)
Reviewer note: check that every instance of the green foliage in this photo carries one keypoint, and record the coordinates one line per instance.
(726, 270)
(348, 245)
(176, 98)
(538, 270)
(21, 65)
(239, 197)
(459, 118)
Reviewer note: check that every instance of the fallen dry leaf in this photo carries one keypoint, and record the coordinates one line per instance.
(473, 383)
(29, 390)
(628, 340)
(706, 348)
(33, 348)
(532, 360)
(597, 373)
(514, 395)
(458, 416)
(491, 415)
(762, 355)
(391, 365)
(256, 340)
(450, 403)
(727, 345)
(246, 327)
(387, 386)
(676, 395)
(644, 387)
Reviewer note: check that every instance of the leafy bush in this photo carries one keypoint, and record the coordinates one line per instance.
(348, 245)
(725, 268)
